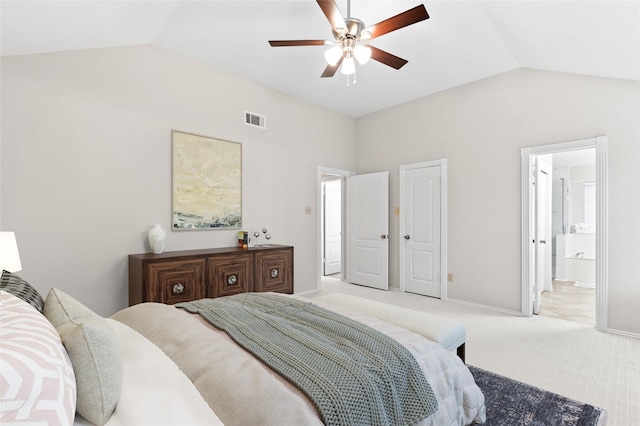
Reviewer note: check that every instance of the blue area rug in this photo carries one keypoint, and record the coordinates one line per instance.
(511, 403)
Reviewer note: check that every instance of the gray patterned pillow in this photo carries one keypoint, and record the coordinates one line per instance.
(20, 288)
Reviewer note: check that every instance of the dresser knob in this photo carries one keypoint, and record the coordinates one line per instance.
(274, 273)
(232, 279)
(178, 288)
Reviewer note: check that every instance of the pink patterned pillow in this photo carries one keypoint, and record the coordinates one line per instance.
(37, 383)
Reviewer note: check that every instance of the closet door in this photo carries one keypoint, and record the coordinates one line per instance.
(420, 228)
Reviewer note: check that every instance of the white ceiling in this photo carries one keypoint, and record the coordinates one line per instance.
(463, 41)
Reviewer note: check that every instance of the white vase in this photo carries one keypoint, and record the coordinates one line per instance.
(157, 238)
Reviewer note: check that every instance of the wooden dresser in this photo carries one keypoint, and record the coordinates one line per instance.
(181, 276)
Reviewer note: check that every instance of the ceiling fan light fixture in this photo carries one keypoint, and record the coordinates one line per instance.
(348, 65)
(362, 54)
(347, 32)
(333, 55)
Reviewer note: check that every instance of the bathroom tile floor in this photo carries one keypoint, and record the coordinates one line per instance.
(569, 303)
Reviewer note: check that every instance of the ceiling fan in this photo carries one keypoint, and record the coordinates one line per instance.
(348, 32)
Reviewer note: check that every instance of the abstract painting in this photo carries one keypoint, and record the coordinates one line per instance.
(206, 181)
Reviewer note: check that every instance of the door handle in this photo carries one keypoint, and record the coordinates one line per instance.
(384, 237)
(407, 237)
(543, 242)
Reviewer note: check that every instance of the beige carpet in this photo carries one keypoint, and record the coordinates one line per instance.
(564, 357)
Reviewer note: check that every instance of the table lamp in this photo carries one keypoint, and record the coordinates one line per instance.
(9, 256)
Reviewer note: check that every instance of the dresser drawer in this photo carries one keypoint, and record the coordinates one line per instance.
(274, 271)
(173, 282)
(229, 275)
(186, 275)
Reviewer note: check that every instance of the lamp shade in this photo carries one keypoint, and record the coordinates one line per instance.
(348, 65)
(9, 256)
(362, 54)
(333, 55)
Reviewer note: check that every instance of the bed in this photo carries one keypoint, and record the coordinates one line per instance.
(158, 364)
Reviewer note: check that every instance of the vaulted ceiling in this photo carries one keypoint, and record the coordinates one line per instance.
(461, 42)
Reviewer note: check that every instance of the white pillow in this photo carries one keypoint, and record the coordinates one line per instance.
(149, 398)
(38, 382)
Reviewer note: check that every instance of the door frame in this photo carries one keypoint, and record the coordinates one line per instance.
(344, 274)
(600, 143)
(443, 222)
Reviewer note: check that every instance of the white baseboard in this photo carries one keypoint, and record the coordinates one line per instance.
(623, 333)
(486, 307)
(303, 293)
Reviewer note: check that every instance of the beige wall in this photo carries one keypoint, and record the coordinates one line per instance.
(480, 128)
(85, 166)
(86, 162)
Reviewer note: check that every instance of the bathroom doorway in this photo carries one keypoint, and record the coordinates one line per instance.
(577, 264)
(571, 295)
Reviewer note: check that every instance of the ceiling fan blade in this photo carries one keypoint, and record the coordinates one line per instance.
(285, 43)
(387, 58)
(330, 70)
(331, 11)
(404, 19)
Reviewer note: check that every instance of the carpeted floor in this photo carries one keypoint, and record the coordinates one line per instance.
(510, 402)
(567, 358)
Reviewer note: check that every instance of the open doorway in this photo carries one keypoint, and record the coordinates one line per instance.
(577, 239)
(572, 269)
(332, 247)
(331, 222)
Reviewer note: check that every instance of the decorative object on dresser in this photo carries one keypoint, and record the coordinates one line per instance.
(182, 276)
(267, 236)
(157, 236)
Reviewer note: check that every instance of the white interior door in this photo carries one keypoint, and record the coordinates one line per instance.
(543, 187)
(369, 228)
(332, 227)
(420, 248)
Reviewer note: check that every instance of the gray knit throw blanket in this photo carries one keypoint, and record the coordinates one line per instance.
(354, 375)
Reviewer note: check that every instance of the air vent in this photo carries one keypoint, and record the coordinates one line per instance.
(256, 120)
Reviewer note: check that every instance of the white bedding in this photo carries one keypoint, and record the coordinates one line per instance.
(154, 391)
(242, 390)
(460, 400)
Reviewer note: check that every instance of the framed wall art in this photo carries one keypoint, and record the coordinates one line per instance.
(206, 179)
